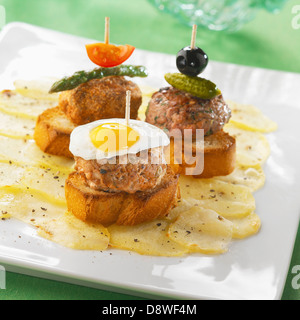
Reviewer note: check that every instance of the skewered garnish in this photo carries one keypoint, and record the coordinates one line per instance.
(108, 55)
(69, 83)
(192, 60)
(198, 87)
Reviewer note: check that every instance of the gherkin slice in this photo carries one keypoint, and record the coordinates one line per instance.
(196, 86)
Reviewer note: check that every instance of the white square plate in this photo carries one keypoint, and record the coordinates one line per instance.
(254, 268)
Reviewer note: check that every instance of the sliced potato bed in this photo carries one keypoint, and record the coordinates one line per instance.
(209, 215)
(52, 221)
(35, 155)
(12, 150)
(38, 90)
(202, 230)
(251, 118)
(27, 207)
(26, 152)
(242, 227)
(252, 148)
(12, 103)
(16, 127)
(46, 183)
(228, 200)
(252, 178)
(10, 174)
(36, 196)
(245, 227)
(71, 232)
(147, 239)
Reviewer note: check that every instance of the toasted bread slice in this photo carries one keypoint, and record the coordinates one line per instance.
(52, 132)
(218, 157)
(121, 208)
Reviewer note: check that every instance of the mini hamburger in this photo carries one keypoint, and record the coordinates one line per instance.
(192, 104)
(121, 175)
(89, 101)
(87, 96)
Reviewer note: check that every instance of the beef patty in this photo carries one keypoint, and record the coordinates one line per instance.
(100, 99)
(171, 108)
(141, 172)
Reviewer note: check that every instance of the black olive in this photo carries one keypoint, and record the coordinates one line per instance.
(191, 61)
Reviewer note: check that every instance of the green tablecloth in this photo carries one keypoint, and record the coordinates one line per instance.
(269, 41)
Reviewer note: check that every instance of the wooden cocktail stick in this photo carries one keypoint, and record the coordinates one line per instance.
(107, 30)
(127, 113)
(194, 36)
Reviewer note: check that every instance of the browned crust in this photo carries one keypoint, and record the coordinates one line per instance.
(94, 100)
(220, 161)
(100, 99)
(121, 208)
(52, 132)
(219, 156)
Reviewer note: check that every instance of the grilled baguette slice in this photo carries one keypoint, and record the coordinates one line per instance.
(121, 208)
(52, 132)
(219, 156)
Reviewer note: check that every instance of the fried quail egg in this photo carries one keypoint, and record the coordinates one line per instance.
(108, 138)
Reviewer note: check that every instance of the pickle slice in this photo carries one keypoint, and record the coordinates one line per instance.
(196, 86)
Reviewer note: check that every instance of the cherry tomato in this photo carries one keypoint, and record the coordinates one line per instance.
(108, 55)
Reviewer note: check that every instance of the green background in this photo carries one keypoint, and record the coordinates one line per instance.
(267, 42)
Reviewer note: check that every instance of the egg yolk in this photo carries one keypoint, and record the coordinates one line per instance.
(113, 137)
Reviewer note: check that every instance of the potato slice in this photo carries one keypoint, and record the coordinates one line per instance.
(246, 227)
(252, 148)
(25, 206)
(251, 118)
(228, 200)
(36, 89)
(17, 105)
(146, 239)
(12, 149)
(202, 230)
(15, 127)
(34, 155)
(50, 184)
(147, 91)
(143, 109)
(52, 222)
(10, 174)
(253, 178)
(27, 153)
(182, 206)
(73, 233)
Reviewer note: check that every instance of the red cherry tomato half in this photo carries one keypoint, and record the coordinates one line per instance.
(108, 55)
